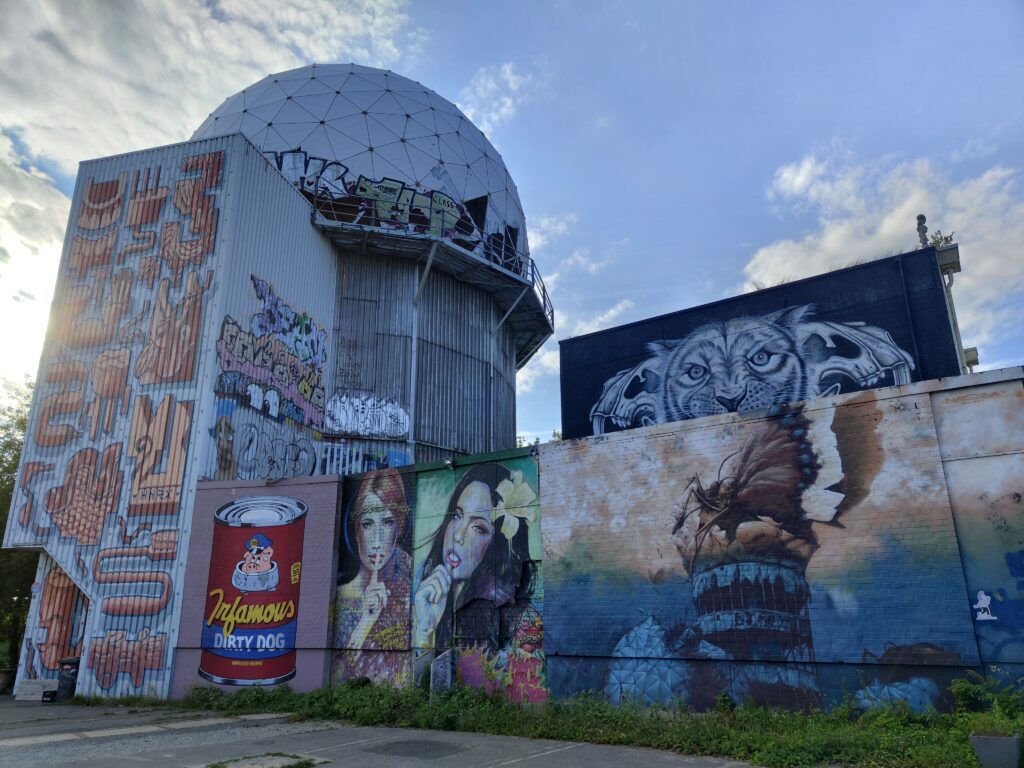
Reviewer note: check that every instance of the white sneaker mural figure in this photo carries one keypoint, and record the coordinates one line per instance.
(984, 612)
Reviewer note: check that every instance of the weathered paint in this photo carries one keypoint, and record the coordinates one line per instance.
(981, 433)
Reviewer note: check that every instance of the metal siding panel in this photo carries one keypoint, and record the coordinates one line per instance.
(110, 433)
(126, 381)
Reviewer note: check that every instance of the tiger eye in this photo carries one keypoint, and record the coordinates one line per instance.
(760, 358)
(696, 371)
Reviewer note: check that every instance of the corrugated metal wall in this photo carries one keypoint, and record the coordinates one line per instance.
(201, 328)
(272, 346)
(160, 247)
(453, 324)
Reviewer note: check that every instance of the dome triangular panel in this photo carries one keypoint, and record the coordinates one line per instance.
(338, 112)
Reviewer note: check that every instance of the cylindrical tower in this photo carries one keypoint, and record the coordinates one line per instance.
(438, 301)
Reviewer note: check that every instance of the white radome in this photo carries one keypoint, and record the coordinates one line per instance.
(377, 125)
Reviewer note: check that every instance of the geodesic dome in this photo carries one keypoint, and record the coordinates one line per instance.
(344, 128)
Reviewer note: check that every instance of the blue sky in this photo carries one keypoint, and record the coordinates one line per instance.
(666, 154)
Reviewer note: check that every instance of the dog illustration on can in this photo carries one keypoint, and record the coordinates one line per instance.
(251, 616)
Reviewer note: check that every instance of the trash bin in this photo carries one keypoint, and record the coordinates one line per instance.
(67, 678)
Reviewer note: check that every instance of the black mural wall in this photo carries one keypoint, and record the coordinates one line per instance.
(871, 325)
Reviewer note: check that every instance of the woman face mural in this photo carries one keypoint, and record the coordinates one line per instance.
(478, 560)
(372, 626)
(377, 533)
(478, 581)
(470, 531)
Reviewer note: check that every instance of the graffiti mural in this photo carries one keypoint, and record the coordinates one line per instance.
(106, 448)
(350, 457)
(366, 415)
(250, 447)
(170, 350)
(159, 444)
(90, 493)
(371, 616)
(276, 366)
(747, 363)
(340, 195)
(270, 392)
(477, 580)
(61, 618)
(116, 653)
(760, 558)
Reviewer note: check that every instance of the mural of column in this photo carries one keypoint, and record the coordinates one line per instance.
(745, 540)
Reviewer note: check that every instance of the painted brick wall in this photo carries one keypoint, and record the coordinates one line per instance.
(865, 546)
(790, 558)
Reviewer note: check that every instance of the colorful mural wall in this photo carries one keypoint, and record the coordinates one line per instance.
(794, 559)
(105, 460)
(438, 560)
(270, 392)
(785, 559)
(258, 588)
(371, 609)
(879, 324)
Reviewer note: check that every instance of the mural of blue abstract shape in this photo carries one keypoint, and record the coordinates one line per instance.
(641, 671)
(919, 693)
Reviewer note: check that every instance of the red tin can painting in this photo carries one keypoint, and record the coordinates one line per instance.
(252, 595)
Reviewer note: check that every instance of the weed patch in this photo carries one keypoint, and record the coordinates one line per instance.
(892, 737)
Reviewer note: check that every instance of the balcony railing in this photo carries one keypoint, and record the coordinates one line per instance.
(390, 206)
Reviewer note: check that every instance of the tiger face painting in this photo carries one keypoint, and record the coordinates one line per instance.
(749, 363)
(739, 364)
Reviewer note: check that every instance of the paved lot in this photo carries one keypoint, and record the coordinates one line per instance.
(111, 737)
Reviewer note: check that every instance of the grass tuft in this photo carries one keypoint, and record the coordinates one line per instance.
(892, 737)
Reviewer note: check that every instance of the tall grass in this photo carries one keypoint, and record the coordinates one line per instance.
(893, 736)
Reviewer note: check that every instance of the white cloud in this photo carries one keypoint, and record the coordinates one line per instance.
(581, 259)
(603, 320)
(33, 214)
(89, 79)
(868, 210)
(976, 148)
(796, 178)
(494, 95)
(602, 121)
(548, 228)
(545, 363)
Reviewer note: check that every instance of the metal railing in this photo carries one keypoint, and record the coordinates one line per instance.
(391, 206)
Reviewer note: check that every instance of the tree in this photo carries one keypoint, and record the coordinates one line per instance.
(17, 568)
(939, 240)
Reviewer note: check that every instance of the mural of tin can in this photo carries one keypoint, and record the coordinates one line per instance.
(252, 595)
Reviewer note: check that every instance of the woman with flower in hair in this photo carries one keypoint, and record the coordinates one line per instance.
(478, 579)
(372, 620)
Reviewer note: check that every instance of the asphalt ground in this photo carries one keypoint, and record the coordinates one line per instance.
(33, 735)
